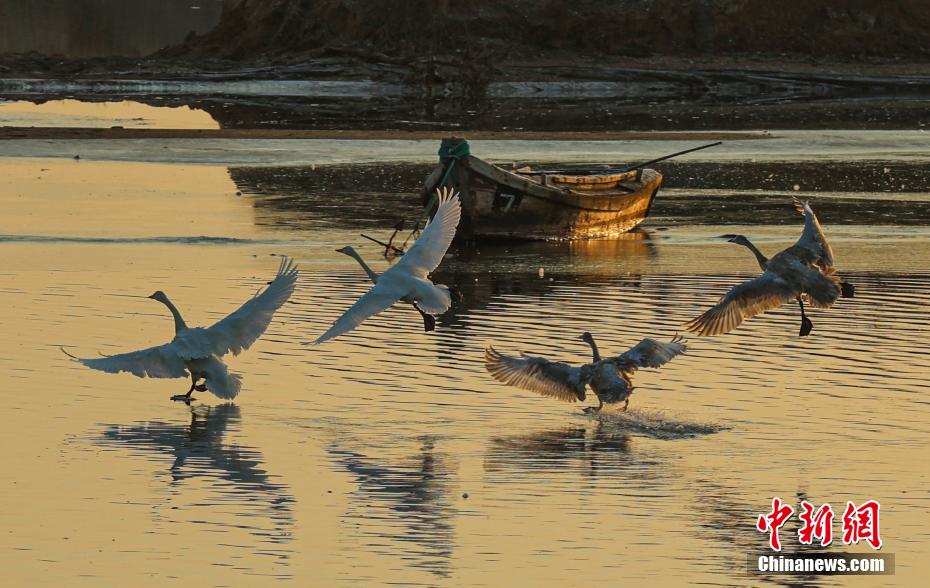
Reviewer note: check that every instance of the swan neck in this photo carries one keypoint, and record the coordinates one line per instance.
(361, 262)
(594, 350)
(763, 260)
(179, 324)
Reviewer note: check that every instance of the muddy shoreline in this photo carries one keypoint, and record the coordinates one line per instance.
(296, 186)
(552, 94)
(72, 133)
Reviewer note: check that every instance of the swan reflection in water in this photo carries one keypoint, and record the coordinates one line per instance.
(203, 459)
(725, 512)
(594, 449)
(408, 502)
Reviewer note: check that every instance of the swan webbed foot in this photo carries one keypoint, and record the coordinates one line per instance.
(806, 327)
(594, 409)
(186, 398)
(847, 290)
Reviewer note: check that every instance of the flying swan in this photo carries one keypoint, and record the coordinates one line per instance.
(196, 351)
(804, 271)
(408, 279)
(609, 378)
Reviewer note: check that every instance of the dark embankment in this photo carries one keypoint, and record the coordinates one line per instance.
(521, 29)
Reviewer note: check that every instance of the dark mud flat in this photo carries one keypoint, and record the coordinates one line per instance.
(836, 176)
(119, 132)
(421, 95)
(371, 200)
(377, 196)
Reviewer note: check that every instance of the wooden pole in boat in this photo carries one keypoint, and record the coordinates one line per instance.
(387, 246)
(610, 170)
(664, 157)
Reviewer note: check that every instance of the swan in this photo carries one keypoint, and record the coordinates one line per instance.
(408, 279)
(609, 378)
(429, 322)
(196, 351)
(803, 271)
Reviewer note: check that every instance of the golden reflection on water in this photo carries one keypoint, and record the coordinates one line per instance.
(389, 455)
(125, 113)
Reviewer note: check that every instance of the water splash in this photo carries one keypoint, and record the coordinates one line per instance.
(661, 424)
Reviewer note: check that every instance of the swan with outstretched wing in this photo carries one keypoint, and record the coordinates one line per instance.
(804, 272)
(196, 351)
(609, 378)
(408, 279)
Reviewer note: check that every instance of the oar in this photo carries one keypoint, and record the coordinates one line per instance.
(613, 170)
(664, 157)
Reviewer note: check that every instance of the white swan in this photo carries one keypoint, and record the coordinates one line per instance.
(608, 378)
(196, 351)
(408, 279)
(429, 322)
(803, 271)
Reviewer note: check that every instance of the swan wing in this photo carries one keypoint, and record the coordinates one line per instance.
(549, 378)
(239, 330)
(812, 236)
(379, 298)
(162, 361)
(744, 301)
(650, 353)
(427, 252)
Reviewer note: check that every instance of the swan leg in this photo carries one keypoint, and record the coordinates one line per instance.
(626, 404)
(429, 321)
(806, 325)
(187, 397)
(594, 409)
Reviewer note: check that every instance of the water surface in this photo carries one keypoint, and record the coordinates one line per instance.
(389, 455)
(122, 113)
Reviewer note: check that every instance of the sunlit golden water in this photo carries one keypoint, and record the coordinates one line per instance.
(389, 456)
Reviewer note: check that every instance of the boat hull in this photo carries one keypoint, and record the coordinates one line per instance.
(497, 203)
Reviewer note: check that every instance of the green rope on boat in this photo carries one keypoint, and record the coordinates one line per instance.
(449, 153)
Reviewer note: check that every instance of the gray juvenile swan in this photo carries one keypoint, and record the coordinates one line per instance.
(429, 321)
(197, 350)
(609, 378)
(804, 271)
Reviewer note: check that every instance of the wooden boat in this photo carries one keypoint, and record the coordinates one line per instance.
(545, 204)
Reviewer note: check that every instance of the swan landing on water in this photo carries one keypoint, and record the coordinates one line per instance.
(609, 378)
(804, 271)
(408, 279)
(196, 351)
(429, 321)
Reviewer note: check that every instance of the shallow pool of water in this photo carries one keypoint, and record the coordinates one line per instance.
(82, 114)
